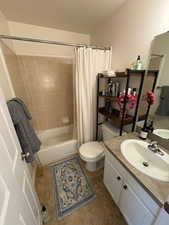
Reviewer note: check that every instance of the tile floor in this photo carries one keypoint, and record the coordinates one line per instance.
(100, 211)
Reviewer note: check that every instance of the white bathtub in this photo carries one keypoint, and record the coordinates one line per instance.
(57, 144)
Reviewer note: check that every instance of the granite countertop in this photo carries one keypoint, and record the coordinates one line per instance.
(157, 189)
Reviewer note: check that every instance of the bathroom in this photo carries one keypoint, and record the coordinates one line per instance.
(72, 72)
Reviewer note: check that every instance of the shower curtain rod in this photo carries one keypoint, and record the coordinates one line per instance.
(50, 42)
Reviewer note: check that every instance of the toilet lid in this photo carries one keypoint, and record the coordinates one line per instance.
(91, 149)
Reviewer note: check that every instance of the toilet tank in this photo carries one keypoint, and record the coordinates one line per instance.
(109, 131)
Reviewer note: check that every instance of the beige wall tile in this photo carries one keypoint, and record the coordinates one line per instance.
(48, 85)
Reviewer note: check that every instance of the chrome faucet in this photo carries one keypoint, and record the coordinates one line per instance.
(153, 146)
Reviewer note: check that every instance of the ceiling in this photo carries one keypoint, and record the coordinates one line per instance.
(72, 15)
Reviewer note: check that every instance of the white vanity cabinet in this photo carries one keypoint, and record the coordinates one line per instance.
(113, 181)
(136, 205)
(133, 209)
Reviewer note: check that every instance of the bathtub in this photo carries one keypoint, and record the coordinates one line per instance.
(57, 144)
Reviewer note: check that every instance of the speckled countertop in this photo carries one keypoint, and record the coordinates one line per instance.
(157, 189)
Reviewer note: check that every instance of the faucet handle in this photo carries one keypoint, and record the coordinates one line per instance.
(154, 147)
(154, 144)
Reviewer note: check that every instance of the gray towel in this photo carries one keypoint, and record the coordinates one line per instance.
(21, 118)
(163, 108)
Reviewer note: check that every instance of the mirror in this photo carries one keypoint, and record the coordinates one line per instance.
(159, 111)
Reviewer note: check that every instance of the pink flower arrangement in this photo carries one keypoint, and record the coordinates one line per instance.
(150, 97)
(131, 101)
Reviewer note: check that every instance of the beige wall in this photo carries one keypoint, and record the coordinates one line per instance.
(13, 71)
(4, 29)
(5, 81)
(131, 29)
(32, 31)
(3, 24)
(48, 83)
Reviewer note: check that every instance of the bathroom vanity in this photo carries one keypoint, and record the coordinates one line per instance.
(138, 196)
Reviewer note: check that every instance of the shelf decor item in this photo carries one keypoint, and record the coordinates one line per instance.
(138, 65)
(130, 103)
(150, 99)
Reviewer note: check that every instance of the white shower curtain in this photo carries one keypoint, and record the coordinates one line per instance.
(88, 63)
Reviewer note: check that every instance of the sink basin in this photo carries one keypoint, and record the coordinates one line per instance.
(163, 133)
(136, 152)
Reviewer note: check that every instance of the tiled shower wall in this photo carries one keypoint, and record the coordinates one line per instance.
(46, 86)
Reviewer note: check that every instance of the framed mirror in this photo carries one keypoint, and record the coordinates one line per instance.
(158, 113)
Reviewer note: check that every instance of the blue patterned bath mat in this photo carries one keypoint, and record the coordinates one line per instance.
(72, 187)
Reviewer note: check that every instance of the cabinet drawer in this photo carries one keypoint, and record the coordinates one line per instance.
(137, 188)
(112, 181)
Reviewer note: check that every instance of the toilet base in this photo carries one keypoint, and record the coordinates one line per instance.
(91, 166)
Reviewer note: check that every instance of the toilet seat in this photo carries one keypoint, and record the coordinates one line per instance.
(91, 151)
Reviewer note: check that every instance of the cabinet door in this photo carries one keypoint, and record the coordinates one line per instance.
(112, 181)
(162, 218)
(133, 209)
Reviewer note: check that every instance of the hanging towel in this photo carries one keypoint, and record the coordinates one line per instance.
(21, 118)
(163, 108)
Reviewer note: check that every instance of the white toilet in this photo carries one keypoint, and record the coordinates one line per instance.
(93, 152)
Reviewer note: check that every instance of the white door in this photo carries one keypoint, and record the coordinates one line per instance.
(112, 181)
(19, 204)
(133, 209)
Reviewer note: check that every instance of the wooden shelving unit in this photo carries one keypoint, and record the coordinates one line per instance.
(113, 99)
(117, 75)
(114, 117)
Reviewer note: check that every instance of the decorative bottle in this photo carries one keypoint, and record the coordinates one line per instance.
(138, 65)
